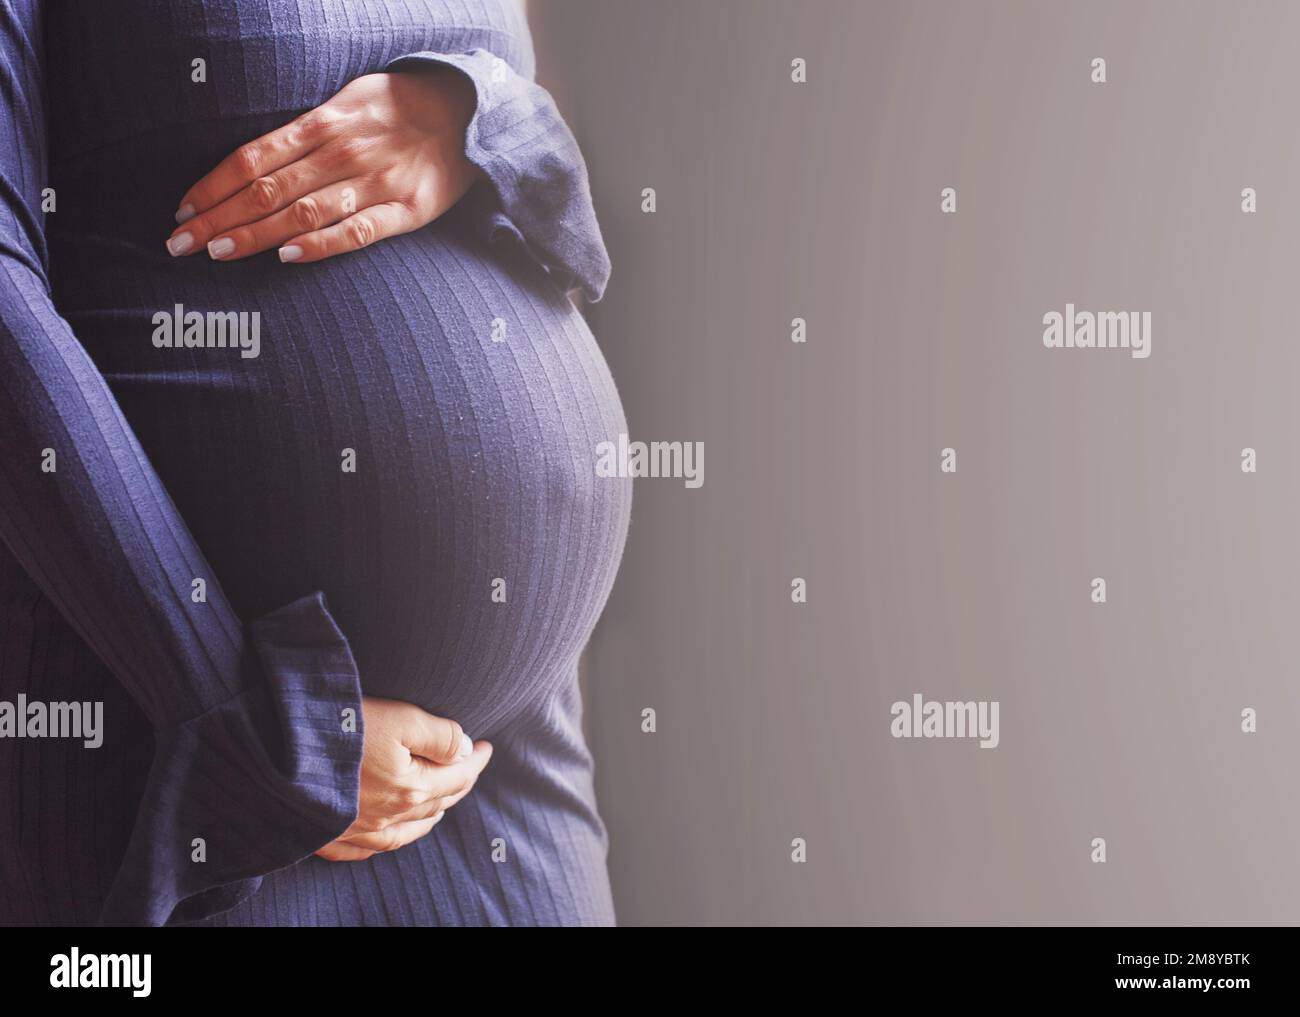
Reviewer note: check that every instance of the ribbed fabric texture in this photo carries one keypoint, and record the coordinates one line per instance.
(446, 367)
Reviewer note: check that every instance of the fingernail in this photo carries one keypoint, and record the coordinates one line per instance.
(221, 248)
(466, 745)
(185, 213)
(290, 253)
(180, 243)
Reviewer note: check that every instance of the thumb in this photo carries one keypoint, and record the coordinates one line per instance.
(436, 738)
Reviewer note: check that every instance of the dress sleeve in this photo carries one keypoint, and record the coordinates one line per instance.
(257, 762)
(542, 196)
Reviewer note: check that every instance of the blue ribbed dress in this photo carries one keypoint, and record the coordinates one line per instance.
(420, 423)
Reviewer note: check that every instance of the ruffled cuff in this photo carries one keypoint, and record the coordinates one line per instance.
(522, 144)
(255, 784)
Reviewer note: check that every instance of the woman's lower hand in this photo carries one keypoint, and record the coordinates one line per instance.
(384, 156)
(414, 767)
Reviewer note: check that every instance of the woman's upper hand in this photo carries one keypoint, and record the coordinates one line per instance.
(385, 156)
(414, 767)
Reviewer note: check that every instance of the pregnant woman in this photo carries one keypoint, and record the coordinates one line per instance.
(297, 439)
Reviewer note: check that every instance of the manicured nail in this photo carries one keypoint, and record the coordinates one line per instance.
(180, 244)
(466, 745)
(221, 248)
(290, 253)
(185, 213)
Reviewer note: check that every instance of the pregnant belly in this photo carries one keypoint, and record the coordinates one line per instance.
(415, 437)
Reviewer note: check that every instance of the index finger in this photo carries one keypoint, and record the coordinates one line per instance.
(441, 780)
(438, 739)
(254, 159)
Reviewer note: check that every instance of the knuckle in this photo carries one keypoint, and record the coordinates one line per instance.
(306, 213)
(388, 181)
(248, 160)
(325, 118)
(423, 198)
(296, 135)
(360, 230)
(312, 125)
(264, 193)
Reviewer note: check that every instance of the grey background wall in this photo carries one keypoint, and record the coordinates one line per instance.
(821, 200)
